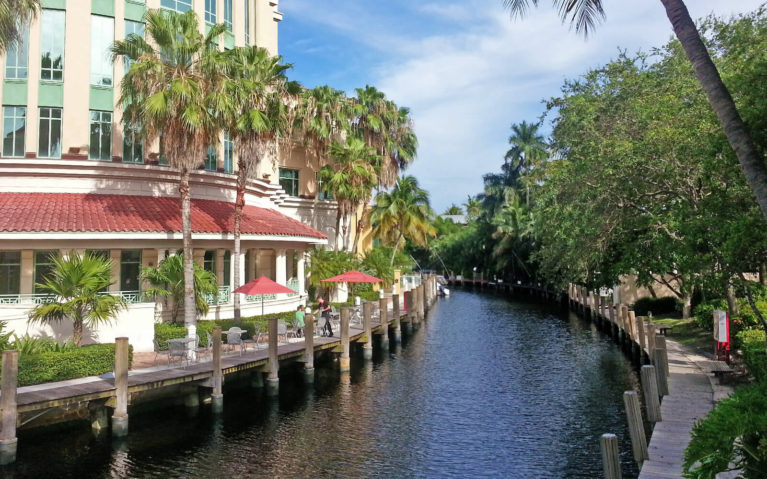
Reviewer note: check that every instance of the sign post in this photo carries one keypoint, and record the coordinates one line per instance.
(721, 335)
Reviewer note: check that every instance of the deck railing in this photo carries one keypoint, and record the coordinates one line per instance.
(130, 297)
(224, 295)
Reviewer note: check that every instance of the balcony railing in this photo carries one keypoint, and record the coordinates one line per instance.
(223, 296)
(130, 297)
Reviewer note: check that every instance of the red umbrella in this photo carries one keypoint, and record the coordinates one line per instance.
(353, 277)
(261, 286)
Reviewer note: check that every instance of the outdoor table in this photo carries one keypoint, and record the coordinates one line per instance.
(186, 345)
(662, 328)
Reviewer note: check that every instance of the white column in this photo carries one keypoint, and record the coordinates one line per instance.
(242, 271)
(220, 266)
(280, 259)
(301, 273)
(252, 266)
(115, 255)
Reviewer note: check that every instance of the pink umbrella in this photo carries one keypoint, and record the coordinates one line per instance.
(261, 286)
(353, 277)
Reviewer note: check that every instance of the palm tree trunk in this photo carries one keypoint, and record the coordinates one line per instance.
(720, 99)
(394, 250)
(239, 204)
(339, 213)
(190, 306)
(77, 332)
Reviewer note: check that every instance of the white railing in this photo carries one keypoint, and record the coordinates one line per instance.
(26, 298)
(293, 284)
(410, 281)
(258, 297)
(224, 293)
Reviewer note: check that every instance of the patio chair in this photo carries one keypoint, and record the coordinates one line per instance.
(282, 330)
(234, 338)
(159, 352)
(202, 350)
(177, 350)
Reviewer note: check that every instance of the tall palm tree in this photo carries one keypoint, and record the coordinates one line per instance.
(171, 90)
(585, 13)
(254, 107)
(14, 14)
(167, 280)
(528, 150)
(403, 213)
(77, 283)
(323, 115)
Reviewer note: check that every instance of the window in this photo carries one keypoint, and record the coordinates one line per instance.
(52, 45)
(100, 147)
(14, 129)
(247, 22)
(211, 161)
(102, 39)
(289, 181)
(209, 261)
(132, 28)
(180, 6)
(210, 11)
(16, 57)
(10, 272)
(130, 265)
(228, 154)
(227, 267)
(49, 141)
(228, 14)
(133, 147)
(43, 267)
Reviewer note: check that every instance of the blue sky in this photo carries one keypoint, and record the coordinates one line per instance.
(464, 68)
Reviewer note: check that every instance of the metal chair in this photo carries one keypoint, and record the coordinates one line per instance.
(234, 338)
(177, 350)
(159, 352)
(202, 350)
(282, 330)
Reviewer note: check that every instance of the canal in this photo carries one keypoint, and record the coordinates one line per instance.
(487, 387)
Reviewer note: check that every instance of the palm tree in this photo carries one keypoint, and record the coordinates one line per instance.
(584, 15)
(323, 115)
(403, 213)
(171, 90)
(167, 280)
(473, 207)
(77, 283)
(528, 150)
(254, 107)
(14, 14)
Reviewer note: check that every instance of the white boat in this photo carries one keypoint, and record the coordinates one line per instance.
(442, 291)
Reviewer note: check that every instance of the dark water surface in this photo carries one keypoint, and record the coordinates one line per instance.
(486, 388)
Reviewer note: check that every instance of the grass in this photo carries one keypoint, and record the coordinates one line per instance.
(687, 332)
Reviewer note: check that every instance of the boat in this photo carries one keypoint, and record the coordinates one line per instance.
(443, 291)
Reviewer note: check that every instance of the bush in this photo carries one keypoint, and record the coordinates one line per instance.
(704, 313)
(733, 432)
(664, 305)
(165, 331)
(74, 363)
(752, 343)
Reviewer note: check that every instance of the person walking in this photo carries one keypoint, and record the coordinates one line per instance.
(299, 321)
(324, 309)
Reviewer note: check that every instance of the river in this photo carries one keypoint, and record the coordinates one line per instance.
(487, 387)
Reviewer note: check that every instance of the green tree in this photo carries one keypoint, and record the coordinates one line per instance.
(584, 14)
(527, 152)
(171, 90)
(77, 283)
(323, 115)
(328, 263)
(14, 14)
(167, 280)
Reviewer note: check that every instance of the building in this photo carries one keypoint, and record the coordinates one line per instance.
(71, 181)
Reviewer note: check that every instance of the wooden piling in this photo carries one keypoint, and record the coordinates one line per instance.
(344, 362)
(628, 327)
(640, 332)
(660, 360)
(367, 319)
(217, 396)
(650, 334)
(309, 348)
(397, 314)
(420, 312)
(273, 379)
(8, 407)
(383, 309)
(611, 463)
(636, 427)
(650, 390)
(120, 415)
(660, 343)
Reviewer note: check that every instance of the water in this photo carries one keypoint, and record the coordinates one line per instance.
(486, 388)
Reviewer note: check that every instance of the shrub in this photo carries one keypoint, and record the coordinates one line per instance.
(664, 305)
(92, 360)
(752, 343)
(704, 313)
(733, 432)
(165, 331)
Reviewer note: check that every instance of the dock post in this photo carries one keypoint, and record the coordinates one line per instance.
(636, 427)
(383, 314)
(217, 397)
(650, 330)
(409, 311)
(660, 360)
(309, 348)
(344, 363)
(650, 390)
(397, 315)
(367, 319)
(660, 343)
(120, 415)
(98, 416)
(419, 303)
(611, 464)
(273, 380)
(640, 333)
(8, 407)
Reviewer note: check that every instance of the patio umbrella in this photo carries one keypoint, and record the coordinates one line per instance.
(261, 286)
(353, 277)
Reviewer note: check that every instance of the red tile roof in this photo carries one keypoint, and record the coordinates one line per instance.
(93, 213)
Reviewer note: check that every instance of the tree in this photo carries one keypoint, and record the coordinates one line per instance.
(77, 283)
(403, 213)
(171, 90)
(14, 14)
(323, 115)
(585, 13)
(167, 280)
(528, 150)
(254, 106)
(328, 263)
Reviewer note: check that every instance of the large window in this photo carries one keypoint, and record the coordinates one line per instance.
(210, 11)
(49, 141)
(16, 58)
(289, 181)
(228, 154)
(132, 28)
(14, 129)
(209, 261)
(100, 147)
(133, 147)
(130, 266)
(177, 5)
(10, 272)
(227, 268)
(211, 159)
(102, 39)
(228, 14)
(52, 45)
(43, 267)
(247, 22)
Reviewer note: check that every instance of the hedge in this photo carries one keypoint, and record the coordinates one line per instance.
(752, 343)
(92, 360)
(664, 305)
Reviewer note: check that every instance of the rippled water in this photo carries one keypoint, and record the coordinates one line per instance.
(486, 388)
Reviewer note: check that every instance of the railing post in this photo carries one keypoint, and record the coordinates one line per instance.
(383, 314)
(344, 363)
(120, 415)
(217, 398)
(611, 464)
(397, 314)
(636, 427)
(650, 329)
(309, 348)
(367, 319)
(650, 390)
(8, 407)
(640, 333)
(660, 343)
(660, 360)
(273, 380)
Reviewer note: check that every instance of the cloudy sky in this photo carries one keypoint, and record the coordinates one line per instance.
(464, 68)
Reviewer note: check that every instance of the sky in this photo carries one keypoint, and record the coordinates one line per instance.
(466, 70)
